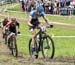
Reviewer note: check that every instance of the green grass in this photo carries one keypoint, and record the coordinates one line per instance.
(21, 16)
(17, 8)
(64, 19)
(23, 40)
(63, 46)
(6, 5)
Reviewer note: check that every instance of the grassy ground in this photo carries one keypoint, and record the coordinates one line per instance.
(63, 46)
(17, 8)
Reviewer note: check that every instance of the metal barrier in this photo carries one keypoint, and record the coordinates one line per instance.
(67, 11)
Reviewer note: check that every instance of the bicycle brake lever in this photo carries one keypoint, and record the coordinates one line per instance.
(51, 26)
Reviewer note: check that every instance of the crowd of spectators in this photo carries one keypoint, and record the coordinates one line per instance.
(50, 6)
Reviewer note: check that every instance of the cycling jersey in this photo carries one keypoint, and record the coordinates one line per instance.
(12, 26)
(33, 14)
(35, 22)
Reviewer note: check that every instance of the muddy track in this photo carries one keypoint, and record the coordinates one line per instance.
(7, 59)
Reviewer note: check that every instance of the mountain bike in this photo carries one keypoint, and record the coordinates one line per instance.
(44, 43)
(12, 44)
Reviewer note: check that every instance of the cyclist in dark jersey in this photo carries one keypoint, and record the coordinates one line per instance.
(12, 25)
(5, 21)
(33, 22)
(3, 24)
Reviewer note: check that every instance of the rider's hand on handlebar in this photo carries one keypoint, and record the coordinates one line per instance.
(51, 26)
(18, 32)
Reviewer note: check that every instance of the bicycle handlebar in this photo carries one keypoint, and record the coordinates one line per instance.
(49, 26)
(43, 28)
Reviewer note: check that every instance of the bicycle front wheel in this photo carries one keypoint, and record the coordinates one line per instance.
(14, 47)
(48, 47)
(31, 52)
(30, 48)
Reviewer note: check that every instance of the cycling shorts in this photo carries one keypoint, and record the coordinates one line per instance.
(35, 23)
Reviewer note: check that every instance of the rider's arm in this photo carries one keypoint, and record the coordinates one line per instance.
(2, 26)
(46, 20)
(18, 25)
(44, 17)
(1, 23)
(9, 23)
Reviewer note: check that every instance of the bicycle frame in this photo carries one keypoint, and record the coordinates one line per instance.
(41, 36)
(12, 35)
(43, 33)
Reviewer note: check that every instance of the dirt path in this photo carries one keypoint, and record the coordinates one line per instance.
(3, 47)
(7, 59)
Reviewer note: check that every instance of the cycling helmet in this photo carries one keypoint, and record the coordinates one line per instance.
(39, 7)
(5, 17)
(13, 19)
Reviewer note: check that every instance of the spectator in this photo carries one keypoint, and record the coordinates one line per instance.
(25, 4)
(68, 2)
(55, 7)
(72, 4)
(31, 4)
(22, 5)
(62, 3)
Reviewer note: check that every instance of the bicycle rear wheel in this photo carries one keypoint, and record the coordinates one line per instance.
(14, 49)
(48, 47)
